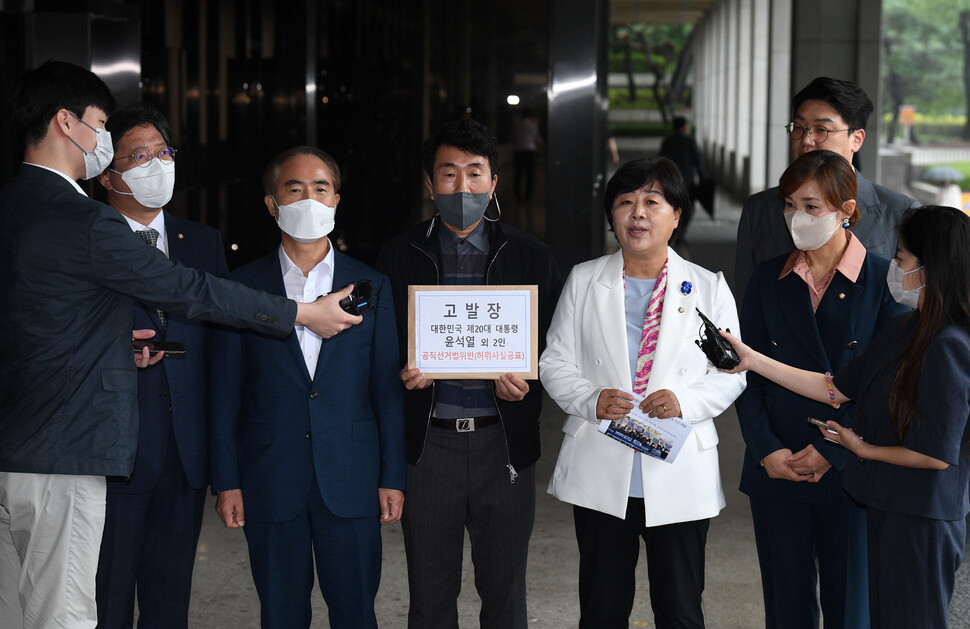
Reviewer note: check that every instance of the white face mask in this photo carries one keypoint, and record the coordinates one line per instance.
(152, 185)
(100, 158)
(905, 296)
(307, 220)
(811, 232)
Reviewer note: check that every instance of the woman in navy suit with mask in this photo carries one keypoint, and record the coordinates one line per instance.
(909, 447)
(816, 308)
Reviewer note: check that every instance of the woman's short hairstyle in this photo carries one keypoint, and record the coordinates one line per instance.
(830, 172)
(654, 170)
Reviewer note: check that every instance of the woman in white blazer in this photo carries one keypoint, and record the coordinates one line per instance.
(597, 352)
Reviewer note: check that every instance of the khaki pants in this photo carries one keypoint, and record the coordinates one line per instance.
(50, 538)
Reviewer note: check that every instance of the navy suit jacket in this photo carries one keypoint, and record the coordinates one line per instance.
(273, 427)
(70, 270)
(177, 382)
(763, 233)
(777, 320)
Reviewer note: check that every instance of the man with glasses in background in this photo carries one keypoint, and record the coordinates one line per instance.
(153, 518)
(829, 114)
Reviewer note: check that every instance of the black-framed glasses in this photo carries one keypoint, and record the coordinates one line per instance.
(143, 158)
(816, 133)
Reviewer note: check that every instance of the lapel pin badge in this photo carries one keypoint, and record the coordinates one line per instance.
(686, 287)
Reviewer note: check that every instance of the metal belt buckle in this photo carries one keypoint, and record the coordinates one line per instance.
(465, 424)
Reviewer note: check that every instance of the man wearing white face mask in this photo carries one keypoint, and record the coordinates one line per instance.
(307, 435)
(70, 272)
(153, 518)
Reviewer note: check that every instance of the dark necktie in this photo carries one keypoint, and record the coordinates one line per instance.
(150, 236)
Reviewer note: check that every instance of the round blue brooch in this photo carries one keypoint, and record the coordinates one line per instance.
(686, 287)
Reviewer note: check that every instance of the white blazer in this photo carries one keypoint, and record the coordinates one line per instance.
(586, 352)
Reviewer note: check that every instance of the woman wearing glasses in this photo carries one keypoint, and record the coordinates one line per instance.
(910, 441)
(816, 308)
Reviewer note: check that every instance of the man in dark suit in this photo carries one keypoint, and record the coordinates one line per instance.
(827, 114)
(681, 149)
(70, 270)
(472, 444)
(153, 518)
(307, 435)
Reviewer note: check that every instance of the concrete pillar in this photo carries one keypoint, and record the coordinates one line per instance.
(701, 101)
(577, 130)
(844, 48)
(721, 121)
(869, 76)
(779, 88)
(743, 117)
(758, 112)
(731, 95)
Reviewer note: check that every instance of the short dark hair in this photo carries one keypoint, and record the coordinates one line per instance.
(271, 175)
(679, 123)
(659, 170)
(834, 176)
(465, 134)
(845, 97)
(137, 115)
(42, 92)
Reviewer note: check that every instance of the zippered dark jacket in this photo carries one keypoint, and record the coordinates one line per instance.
(514, 257)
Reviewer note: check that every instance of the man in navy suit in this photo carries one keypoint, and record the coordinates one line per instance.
(307, 434)
(153, 518)
(70, 271)
(828, 114)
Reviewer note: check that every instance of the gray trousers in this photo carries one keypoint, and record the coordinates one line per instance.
(463, 481)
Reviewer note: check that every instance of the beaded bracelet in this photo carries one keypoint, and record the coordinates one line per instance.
(828, 383)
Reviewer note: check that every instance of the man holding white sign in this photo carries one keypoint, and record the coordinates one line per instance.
(472, 444)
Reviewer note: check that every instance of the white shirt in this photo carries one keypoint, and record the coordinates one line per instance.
(158, 224)
(71, 181)
(304, 290)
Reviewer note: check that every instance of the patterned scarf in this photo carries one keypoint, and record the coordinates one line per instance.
(651, 331)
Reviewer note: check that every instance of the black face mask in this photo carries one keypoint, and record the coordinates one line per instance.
(462, 209)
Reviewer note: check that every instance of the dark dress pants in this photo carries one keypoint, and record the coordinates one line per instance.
(795, 537)
(609, 549)
(463, 481)
(912, 569)
(150, 538)
(348, 562)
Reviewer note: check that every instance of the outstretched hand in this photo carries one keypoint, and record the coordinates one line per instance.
(745, 353)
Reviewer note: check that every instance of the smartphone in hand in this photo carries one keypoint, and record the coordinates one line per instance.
(821, 424)
(171, 348)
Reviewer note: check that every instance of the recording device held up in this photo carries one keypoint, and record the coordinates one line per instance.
(360, 300)
(715, 346)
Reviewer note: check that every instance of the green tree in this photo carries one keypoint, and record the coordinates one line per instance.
(926, 46)
(657, 49)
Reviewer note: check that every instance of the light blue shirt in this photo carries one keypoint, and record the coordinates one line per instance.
(637, 299)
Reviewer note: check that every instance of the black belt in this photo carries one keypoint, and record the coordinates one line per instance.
(465, 424)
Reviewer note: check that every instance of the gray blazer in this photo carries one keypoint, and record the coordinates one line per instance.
(763, 234)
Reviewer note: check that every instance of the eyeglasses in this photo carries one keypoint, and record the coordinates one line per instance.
(144, 158)
(816, 133)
